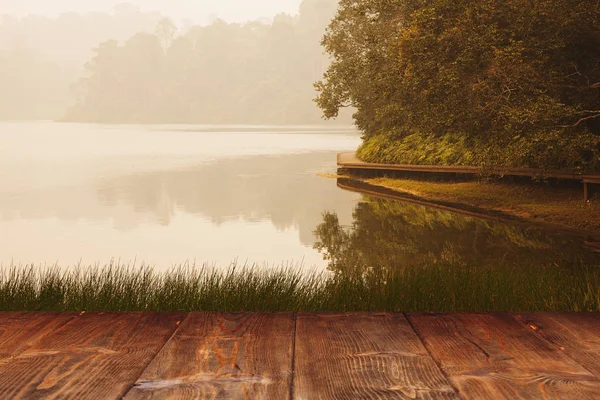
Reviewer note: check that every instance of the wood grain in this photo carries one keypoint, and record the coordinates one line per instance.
(21, 330)
(576, 334)
(95, 356)
(494, 356)
(223, 356)
(363, 356)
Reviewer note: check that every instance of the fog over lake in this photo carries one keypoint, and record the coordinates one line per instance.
(167, 195)
(196, 10)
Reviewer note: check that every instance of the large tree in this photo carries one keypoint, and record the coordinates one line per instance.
(513, 83)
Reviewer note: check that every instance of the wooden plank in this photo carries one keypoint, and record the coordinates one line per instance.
(223, 356)
(20, 330)
(364, 356)
(96, 356)
(576, 334)
(494, 356)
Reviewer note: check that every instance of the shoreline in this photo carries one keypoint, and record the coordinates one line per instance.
(452, 196)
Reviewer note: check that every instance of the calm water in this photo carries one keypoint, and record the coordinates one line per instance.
(167, 195)
(170, 194)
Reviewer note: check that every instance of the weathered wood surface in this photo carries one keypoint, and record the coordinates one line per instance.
(223, 356)
(94, 356)
(363, 356)
(576, 334)
(304, 356)
(19, 331)
(498, 357)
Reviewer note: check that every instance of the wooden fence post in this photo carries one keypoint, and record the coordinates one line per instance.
(585, 192)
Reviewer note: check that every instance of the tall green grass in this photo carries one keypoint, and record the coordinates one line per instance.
(427, 288)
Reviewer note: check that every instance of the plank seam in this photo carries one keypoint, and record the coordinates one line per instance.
(294, 334)
(559, 348)
(435, 360)
(142, 370)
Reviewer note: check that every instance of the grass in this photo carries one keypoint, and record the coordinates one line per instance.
(427, 288)
(537, 201)
(548, 151)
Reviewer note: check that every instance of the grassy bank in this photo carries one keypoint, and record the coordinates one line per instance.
(555, 152)
(429, 288)
(541, 202)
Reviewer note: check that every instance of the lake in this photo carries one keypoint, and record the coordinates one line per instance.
(167, 195)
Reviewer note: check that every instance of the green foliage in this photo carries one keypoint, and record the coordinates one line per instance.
(250, 73)
(547, 150)
(440, 287)
(512, 83)
(420, 149)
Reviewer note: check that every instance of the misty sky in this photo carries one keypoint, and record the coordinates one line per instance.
(198, 11)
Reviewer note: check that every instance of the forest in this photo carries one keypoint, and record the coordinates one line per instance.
(135, 67)
(42, 57)
(514, 83)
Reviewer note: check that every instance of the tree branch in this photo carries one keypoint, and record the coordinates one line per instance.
(583, 119)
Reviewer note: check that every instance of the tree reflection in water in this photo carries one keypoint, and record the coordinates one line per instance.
(390, 234)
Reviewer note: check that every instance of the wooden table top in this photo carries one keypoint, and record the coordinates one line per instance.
(299, 356)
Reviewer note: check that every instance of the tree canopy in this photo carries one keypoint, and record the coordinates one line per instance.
(490, 83)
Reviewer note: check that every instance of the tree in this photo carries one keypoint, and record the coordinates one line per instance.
(510, 83)
(166, 31)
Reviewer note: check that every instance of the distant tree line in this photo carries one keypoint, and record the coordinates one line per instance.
(31, 87)
(41, 57)
(489, 83)
(252, 73)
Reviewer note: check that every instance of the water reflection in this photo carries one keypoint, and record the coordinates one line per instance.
(394, 234)
(259, 209)
(282, 189)
(72, 192)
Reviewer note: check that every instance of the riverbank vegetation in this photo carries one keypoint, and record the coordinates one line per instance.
(512, 83)
(429, 288)
(534, 201)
